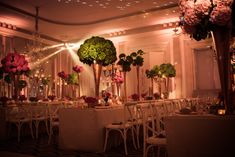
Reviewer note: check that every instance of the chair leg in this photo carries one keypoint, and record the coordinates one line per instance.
(158, 151)
(137, 136)
(144, 152)
(133, 137)
(46, 124)
(106, 138)
(18, 130)
(31, 129)
(124, 140)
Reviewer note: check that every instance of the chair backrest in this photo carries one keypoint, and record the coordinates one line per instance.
(130, 112)
(53, 109)
(18, 113)
(159, 113)
(39, 111)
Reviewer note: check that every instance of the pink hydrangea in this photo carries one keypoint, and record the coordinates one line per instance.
(191, 18)
(223, 2)
(202, 7)
(182, 5)
(220, 15)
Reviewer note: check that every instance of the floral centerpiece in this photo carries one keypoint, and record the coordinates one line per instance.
(14, 65)
(125, 62)
(151, 74)
(98, 52)
(167, 71)
(199, 17)
(91, 101)
(135, 97)
(202, 18)
(138, 61)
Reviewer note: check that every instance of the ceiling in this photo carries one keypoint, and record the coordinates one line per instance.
(71, 20)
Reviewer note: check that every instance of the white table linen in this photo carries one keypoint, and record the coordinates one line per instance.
(83, 129)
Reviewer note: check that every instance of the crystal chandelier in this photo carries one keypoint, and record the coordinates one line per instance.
(34, 48)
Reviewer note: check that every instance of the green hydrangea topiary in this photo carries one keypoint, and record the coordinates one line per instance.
(138, 60)
(167, 70)
(97, 49)
(153, 72)
(125, 62)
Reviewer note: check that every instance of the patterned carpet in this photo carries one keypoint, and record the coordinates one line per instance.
(41, 148)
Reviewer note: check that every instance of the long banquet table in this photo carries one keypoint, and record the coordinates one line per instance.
(200, 136)
(83, 129)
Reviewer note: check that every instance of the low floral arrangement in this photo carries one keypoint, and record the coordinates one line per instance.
(51, 97)
(4, 99)
(199, 17)
(143, 95)
(63, 75)
(33, 99)
(78, 69)
(91, 100)
(135, 97)
(45, 81)
(118, 78)
(157, 96)
(22, 98)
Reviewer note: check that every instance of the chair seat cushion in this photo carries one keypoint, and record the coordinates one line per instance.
(118, 126)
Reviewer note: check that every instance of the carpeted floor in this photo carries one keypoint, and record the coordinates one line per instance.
(41, 148)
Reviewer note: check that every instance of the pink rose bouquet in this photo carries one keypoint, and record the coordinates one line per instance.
(118, 79)
(15, 63)
(199, 17)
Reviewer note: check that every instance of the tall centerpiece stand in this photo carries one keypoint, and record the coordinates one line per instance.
(199, 19)
(97, 52)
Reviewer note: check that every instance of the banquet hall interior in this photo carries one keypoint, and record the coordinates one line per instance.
(113, 78)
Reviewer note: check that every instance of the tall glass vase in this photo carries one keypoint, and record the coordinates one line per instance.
(138, 80)
(118, 85)
(221, 36)
(151, 87)
(16, 87)
(125, 93)
(97, 68)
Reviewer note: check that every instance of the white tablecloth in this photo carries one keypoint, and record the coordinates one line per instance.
(200, 136)
(83, 129)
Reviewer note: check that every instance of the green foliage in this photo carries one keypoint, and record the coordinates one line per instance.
(152, 72)
(138, 60)
(1, 73)
(97, 49)
(72, 79)
(22, 84)
(45, 80)
(7, 78)
(125, 62)
(167, 70)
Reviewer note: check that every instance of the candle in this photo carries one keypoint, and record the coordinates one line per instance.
(221, 111)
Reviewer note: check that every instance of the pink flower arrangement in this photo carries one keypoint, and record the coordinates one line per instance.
(199, 17)
(118, 78)
(91, 100)
(15, 63)
(78, 69)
